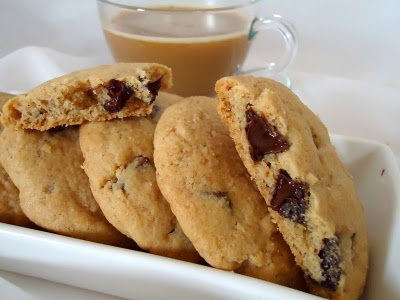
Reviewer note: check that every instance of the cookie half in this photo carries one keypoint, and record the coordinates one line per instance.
(213, 198)
(10, 209)
(119, 163)
(310, 193)
(54, 190)
(96, 94)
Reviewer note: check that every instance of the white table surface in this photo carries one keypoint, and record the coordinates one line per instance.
(355, 42)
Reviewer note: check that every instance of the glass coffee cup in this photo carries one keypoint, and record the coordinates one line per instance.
(201, 41)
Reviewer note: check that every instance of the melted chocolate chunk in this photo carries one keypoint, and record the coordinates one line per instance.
(154, 87)
(288, 198)
(141, 161)
(330, 262)
(119, 93)
(263, 137)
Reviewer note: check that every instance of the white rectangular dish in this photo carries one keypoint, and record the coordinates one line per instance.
(134, 275)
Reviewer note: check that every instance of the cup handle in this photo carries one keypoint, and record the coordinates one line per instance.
(276, 22)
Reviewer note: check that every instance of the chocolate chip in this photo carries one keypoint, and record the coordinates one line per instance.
(330, 256)
(119, 93)
(288, 198)
(262, 136)
(293, 210)
(220, 195)
(154, 87)
(141, 161)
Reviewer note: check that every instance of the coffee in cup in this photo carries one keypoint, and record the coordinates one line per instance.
(200, 43)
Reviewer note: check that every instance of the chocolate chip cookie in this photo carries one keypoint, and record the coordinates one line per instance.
(10, 209)
(119, 163)
(310, 193)
(96, 94)
(54, 190)
(213, 197)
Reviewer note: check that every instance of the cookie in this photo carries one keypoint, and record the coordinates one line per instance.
(54, 190)
(213, 198)
(97, 94)
(119, 163)
(310, 193)
(10, 209)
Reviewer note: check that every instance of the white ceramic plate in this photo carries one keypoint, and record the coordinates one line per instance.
(135, 275)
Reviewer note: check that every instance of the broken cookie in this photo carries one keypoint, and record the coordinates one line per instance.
(310, 193)
(102, 93)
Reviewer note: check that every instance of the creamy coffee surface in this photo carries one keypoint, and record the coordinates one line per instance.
(180, 23)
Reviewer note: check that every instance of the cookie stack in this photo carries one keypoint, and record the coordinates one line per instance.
(249, 183)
